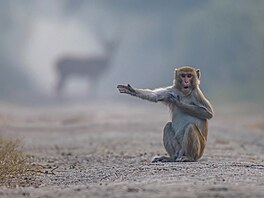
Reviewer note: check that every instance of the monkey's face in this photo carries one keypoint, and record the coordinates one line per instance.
(186, 79)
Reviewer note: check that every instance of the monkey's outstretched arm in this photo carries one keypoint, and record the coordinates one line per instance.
(155, 95)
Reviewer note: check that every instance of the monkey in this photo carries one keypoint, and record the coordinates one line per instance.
(185, 137)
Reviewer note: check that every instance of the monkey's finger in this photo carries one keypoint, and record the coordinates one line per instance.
(131, 89)
(123, 90)
(121, 86)
(178, 98)
(171, 95)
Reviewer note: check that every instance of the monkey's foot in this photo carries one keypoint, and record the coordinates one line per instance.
(161, 159)
(184, 159)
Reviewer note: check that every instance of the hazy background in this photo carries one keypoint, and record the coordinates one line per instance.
(225, 39)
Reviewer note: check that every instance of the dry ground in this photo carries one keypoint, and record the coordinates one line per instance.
(93, 150)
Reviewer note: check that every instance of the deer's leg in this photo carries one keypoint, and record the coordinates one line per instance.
(60, 84)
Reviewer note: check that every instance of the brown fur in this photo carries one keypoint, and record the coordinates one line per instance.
(185, 137)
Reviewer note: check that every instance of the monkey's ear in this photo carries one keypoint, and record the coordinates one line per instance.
(175, 72)
(198, 72)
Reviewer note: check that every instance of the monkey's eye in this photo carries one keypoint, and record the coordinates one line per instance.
(189, 75)
(183, 75)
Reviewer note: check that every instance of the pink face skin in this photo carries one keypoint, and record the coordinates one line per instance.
(186, 80)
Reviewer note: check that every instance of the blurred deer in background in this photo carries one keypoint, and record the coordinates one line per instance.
(90, 67)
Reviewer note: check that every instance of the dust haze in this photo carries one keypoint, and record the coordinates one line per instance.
(60, 64)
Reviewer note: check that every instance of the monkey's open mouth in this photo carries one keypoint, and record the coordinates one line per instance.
(186, 87)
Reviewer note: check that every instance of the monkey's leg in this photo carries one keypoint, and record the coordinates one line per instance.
(193, 144)
(170, 145)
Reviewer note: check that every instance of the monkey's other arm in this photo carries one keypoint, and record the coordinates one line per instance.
(156, 95)
(197, 111)
(200, 109)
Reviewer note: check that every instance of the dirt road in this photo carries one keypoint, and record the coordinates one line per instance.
(93, 150)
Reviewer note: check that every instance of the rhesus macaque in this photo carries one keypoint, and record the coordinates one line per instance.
(185, 136)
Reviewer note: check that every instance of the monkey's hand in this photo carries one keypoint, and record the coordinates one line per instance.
(127, 89)
(175, 99)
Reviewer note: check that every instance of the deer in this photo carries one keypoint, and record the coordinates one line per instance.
(88, 67)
